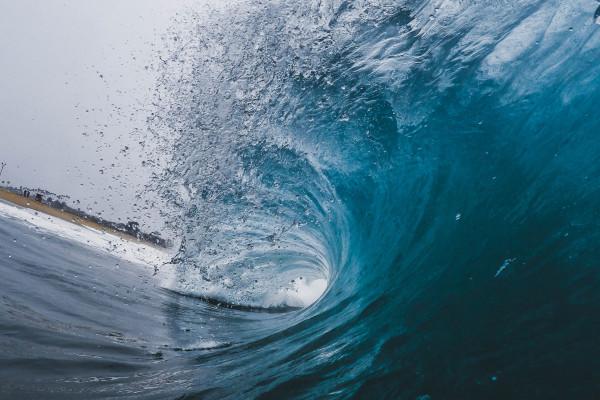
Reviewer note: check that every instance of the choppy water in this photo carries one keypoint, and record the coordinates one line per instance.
(430, 168)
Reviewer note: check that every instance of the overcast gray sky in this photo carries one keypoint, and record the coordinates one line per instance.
(76, 80)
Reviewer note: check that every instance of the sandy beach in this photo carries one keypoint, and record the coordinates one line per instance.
(43, 208)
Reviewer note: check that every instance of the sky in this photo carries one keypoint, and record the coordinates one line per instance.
(76, 85)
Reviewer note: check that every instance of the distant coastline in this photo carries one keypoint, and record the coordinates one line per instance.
(55, 205)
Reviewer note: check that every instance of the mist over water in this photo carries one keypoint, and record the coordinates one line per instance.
(377, 200)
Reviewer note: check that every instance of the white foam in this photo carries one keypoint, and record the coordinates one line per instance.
(137, 252)
(302, 294)
(207, 345)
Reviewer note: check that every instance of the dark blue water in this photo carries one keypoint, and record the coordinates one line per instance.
(435, 163)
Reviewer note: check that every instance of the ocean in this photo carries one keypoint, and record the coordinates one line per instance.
(373, 199)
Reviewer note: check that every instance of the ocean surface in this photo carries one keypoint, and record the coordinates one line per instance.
(373, 199)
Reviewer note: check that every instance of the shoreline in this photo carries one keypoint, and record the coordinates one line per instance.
(25, 202)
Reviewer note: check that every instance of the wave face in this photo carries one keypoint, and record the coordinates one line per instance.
(409, 189)
(435, 163)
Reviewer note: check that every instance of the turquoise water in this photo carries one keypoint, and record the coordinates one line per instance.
(375, 200)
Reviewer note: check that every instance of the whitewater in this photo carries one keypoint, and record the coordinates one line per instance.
(370, 199)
